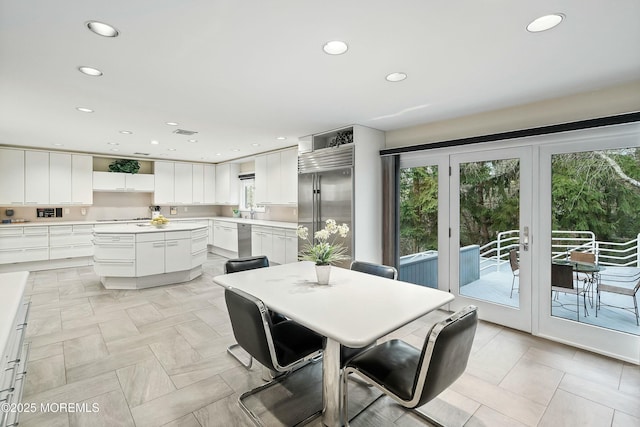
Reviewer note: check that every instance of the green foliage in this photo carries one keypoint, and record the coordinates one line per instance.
(125, 166)
(418, 210)
(588, 194)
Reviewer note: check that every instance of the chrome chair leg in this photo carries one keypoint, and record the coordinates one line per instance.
(247, 365)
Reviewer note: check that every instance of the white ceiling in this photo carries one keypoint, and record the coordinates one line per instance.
(245, 72)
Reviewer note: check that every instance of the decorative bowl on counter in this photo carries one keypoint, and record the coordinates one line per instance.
(160, 221)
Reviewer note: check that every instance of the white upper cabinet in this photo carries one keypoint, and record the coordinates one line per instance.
(36, 178)
(277, 178)
(59, 179)
(260, 167)
(164, 183)
(289, 176)
(183, 183)
(43, 178)
(209, 184)
(118, 181)
(227, 184)
(198, 183)
(12, 177)
(81, 179)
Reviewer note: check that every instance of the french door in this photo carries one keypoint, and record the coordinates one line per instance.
(461, 215)
(491, 234)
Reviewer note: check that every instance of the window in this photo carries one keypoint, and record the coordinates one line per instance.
(247, 196)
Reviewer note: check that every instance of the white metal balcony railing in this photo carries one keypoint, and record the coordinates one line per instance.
(494, 256)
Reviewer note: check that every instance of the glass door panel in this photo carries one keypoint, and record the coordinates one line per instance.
(490, 207)
(419, 225)
(595, 200)
(489, 230)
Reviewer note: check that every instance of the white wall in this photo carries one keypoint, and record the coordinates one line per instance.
(611, 101)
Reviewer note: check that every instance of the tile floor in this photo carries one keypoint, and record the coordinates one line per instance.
(157, 357)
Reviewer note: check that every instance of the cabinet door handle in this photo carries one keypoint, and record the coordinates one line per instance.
(158, 245)
(174, 243)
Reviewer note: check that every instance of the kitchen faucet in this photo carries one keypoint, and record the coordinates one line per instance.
(252, 212)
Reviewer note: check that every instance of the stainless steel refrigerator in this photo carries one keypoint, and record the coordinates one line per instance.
(325, 191)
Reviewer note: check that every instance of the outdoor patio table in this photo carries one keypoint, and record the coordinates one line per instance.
(354, 309)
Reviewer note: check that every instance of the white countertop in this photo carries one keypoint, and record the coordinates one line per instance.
(148, 228)
(12, 286)
(261, 222)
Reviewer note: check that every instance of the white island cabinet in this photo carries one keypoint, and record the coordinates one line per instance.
(136, 256)
(14, 352)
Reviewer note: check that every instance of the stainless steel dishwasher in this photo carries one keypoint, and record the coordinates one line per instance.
(244, 240)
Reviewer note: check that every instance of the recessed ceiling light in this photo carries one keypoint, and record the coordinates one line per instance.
(102, 29)
(218, 154)
(126, 132)
(90, 71)
(84, 110)
(335, 47)
(172, 123)
(154, 142)
(115, 149)
(281, 138)
(236, 149)
(113, 143)
(57, 144)
(171, 149)
(396, 77)
(544, 23)
(255, 144)
(163, 154)
(192, 140)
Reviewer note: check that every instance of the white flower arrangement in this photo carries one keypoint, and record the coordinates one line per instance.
(327, 249)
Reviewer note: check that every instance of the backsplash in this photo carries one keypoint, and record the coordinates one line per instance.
(136, 205)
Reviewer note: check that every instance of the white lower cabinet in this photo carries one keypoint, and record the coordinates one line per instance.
(280, 245)
(150, 254)
(291, 246)
(177, 255)
(24, 244)
(14, 351)
(225, 235)
(262, 242)
(70, 241)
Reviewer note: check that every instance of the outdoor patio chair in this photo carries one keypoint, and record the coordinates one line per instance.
(562, 281)
(588, 279)
(620, 290)
(515, 269)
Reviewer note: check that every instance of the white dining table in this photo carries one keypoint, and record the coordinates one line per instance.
(354, 309)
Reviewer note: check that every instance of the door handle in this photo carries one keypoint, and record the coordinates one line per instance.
(525, 239)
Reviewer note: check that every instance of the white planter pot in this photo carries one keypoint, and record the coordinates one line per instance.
(322, 273)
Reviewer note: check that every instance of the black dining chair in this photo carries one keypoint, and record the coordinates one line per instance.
(280, 347)
(244, 264)
(381, 270)
(375, 269)
(411, 376)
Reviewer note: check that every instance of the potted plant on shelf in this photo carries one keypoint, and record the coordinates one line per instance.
(325, 247)
(124, 166)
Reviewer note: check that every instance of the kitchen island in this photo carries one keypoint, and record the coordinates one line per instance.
(137, 256)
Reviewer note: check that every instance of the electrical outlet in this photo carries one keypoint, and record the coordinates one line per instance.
(295, 211)
(66, 211)
(83, 211)
(186, 209)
